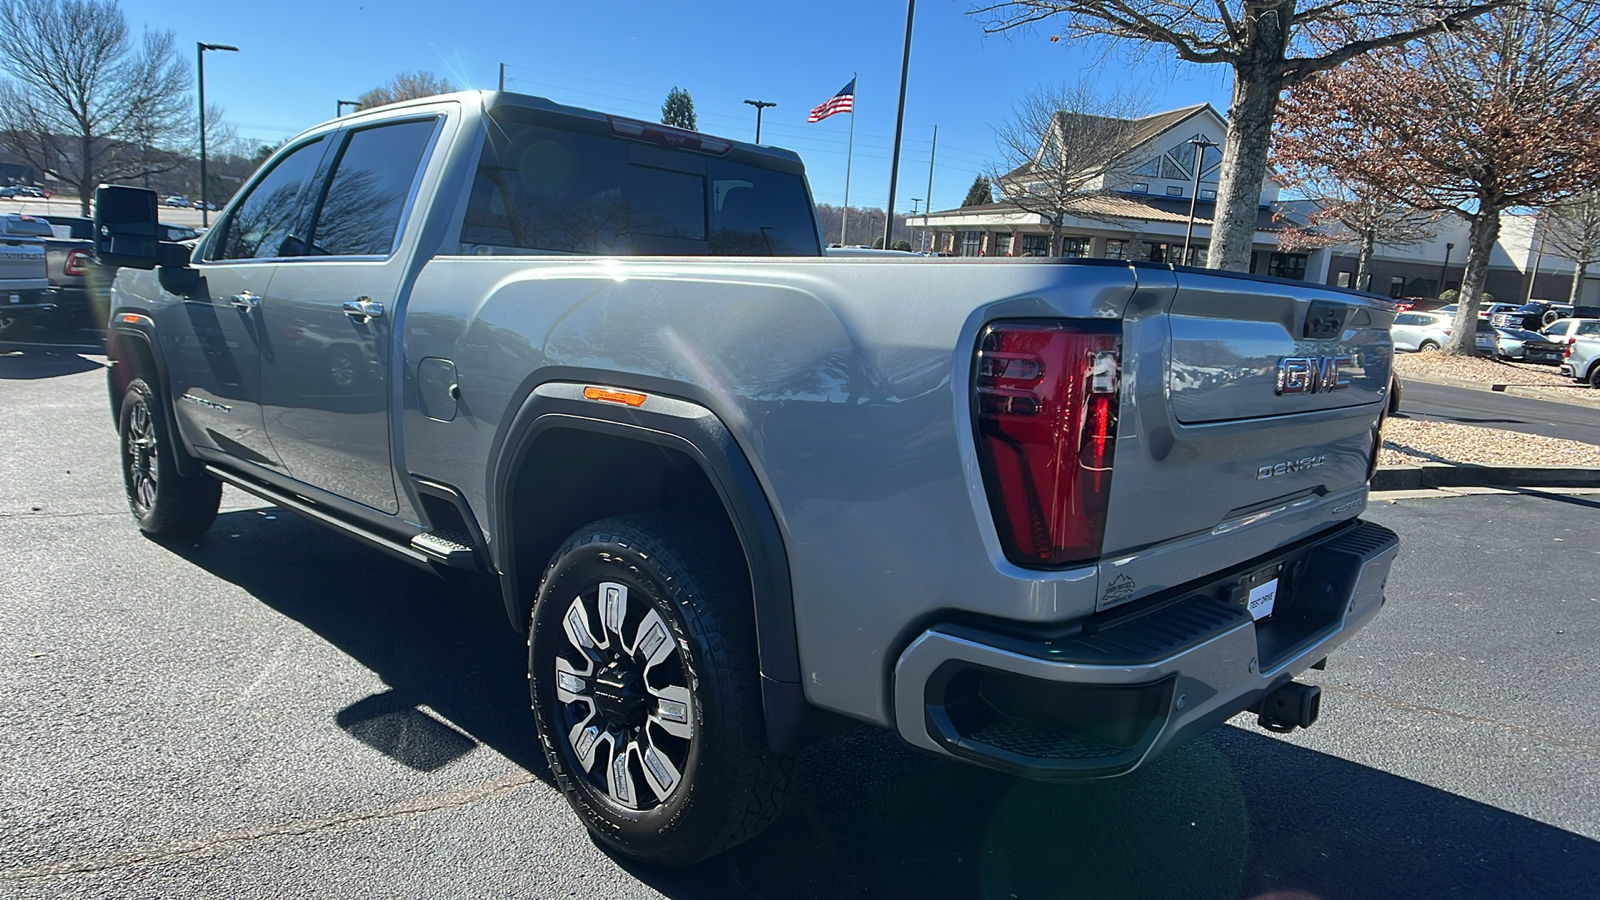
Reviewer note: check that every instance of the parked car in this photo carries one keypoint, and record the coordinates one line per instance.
(1485, 310)
(1421, 331)
(1539, 314)
(1581, 360)
(178, 202)
(25, 190)
(686, 428)
(1562, 329)
(1486, 341)
(1525, 345)
(7, 192)
(1418, 304)
(24, 277)
(79, 285)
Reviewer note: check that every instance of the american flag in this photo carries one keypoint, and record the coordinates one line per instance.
(842, 102)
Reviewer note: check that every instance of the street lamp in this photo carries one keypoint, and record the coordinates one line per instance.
(759, 105)
(339, 111)
(1201, 144)
(1444, 267)
(200, 54)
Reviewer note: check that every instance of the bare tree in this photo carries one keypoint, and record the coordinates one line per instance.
(405, 86)
(1270, 45)
(1499, 114)
(1353, 215)
(84, 102)
(1572, 227)
(1063, 145)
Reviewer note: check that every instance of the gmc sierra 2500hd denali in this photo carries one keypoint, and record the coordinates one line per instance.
(1046, 516)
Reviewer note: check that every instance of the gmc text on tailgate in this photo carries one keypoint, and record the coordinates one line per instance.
(1043, 516)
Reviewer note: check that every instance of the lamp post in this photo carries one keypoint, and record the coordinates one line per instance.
(1443, 267)
(200, 54)
(342, 104)
(1201, 144)
(759, 105)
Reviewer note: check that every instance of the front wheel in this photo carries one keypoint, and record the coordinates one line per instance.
(165, 503)
(646, 692)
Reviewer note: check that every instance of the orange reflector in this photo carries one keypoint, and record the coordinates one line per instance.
(130, 317)
(611, 395)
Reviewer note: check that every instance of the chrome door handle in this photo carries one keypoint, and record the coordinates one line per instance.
(363, 309)
(244, 301)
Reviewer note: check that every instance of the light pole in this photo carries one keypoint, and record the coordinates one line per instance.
(1201, 144)
(1444, 268)
(759, 105)
(342, 104)
(200, 54)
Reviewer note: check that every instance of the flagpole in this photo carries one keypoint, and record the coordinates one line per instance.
(849, 156)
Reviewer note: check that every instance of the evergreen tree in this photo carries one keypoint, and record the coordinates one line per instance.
(980, 193)
(678, 111)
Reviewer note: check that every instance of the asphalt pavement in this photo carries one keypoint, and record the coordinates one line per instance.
(1488, 409)
(274, 711)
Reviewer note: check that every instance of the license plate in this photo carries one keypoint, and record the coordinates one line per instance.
(1262, 599)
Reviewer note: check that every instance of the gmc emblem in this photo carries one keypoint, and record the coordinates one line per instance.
(1312, 374)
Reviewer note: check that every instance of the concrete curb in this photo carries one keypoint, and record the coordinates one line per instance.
(1440, 475)
(1577, 395)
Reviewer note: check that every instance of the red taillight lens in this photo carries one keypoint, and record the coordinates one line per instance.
(1566, 352)
(74, 266)
(1047, 395)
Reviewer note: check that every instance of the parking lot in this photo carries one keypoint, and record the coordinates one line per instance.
(277, 711)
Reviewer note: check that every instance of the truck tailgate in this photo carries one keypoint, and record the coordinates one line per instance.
(22, 265)
(1247, 422)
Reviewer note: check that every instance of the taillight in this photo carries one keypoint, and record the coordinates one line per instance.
(1047, 395)
(1567, 352)
(74, 265)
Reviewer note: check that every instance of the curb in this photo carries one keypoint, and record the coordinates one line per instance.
(1577, 395)
(1440, 475)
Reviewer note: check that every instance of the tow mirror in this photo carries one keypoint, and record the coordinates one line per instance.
(125, 232)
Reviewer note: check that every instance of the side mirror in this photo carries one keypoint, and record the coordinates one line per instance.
(125, 233)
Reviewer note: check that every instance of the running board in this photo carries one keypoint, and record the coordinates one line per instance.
(310, 510)
(447, 547)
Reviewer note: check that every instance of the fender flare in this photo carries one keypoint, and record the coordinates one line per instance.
(187, 463)
(693, 430)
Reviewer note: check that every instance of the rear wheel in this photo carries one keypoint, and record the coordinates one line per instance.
(164, 502)
(646, 692)
(1428, 347)
(1594, 376)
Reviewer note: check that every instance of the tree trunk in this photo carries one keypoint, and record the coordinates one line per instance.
(1581, 272)
(1055, 236)
(1364, 260)
(1258, 82)
(86, 184)
(1480, 244)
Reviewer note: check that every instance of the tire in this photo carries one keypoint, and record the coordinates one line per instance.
(1428, 347)
(1594, 376)
(696, 775)
(164, 503)
(1549, 318)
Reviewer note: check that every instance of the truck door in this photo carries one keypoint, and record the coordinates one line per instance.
(215, 342)
(331, 317)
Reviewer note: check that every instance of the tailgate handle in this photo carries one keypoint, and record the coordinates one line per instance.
(1325, 320)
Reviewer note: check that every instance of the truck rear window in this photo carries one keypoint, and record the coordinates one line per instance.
(549, 189)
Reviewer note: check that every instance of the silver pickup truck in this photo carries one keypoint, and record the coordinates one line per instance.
(1051, 517)
(24, 278)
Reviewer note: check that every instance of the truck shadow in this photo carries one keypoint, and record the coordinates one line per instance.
(1235, 814)
(30, 363)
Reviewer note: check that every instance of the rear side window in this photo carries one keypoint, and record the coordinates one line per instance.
(548, 189)
(1409, 319)
(259, 225)
(361, 211)
(1588, 328)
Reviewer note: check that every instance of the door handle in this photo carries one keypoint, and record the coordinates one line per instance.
(363, 309)
(244, 301)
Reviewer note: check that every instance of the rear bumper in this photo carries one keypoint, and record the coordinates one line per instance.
(30, 301)
(1100, 701)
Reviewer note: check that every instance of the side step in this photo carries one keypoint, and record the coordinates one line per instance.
(452, 548)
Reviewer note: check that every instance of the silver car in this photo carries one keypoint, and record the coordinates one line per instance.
(1421, 331)
(1582, 360)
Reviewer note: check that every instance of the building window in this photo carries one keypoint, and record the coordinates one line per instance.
(1174, 191)
(1197, 256)
(1397, 285)
(1343, 280)
(1287, 265)
(1116, 249)
(970, 243)
(1000, 244)
(1075, 247)
(1208, 194)
(1140, 187)
(1035, 245)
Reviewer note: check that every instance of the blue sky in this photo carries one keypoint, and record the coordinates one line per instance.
(299, 58)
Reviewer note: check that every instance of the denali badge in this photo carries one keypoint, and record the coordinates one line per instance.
(1312, 374)
(1293, 465)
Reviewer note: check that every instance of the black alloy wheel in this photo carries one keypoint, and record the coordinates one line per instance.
(164, 502)
(646, 692)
